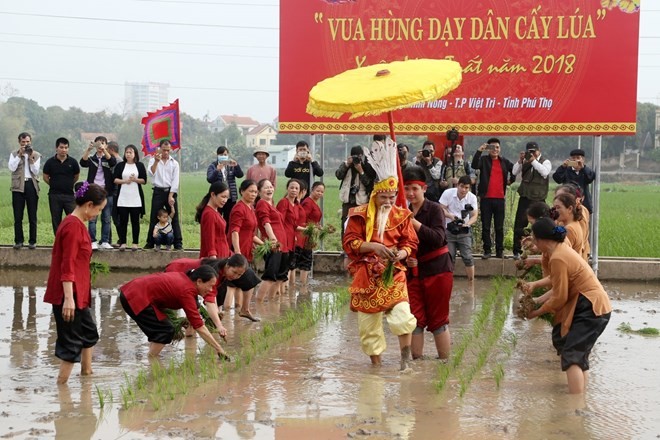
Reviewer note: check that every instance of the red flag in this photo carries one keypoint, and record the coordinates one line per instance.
(159, 125)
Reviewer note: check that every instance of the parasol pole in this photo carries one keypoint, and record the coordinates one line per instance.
(390, 122)
(400, 196)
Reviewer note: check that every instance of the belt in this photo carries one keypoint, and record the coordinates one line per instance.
(428, 257)
(157, 188)
(433, 254)
(29, 179)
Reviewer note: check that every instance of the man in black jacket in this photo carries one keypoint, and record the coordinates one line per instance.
(495, 175)
(302, 165)
(100, 172)
(574, 170)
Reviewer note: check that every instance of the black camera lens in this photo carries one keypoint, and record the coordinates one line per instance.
(426, 153)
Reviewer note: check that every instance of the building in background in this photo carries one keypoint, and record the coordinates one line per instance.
(263, 135)
(280, 156)
(244, 123)
(143, 97)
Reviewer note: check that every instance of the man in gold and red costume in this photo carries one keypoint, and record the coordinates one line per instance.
(379, 234)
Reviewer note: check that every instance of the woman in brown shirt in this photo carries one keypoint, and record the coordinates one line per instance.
(569, 215)
(580, 305)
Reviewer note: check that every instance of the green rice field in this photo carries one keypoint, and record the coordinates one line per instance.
(629, 220)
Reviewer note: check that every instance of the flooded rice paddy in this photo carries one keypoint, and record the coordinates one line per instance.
(319, 385)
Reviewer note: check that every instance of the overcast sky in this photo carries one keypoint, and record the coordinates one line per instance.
(219, 56)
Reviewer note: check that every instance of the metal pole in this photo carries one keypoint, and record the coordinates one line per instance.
(322, 166)
(596, 204)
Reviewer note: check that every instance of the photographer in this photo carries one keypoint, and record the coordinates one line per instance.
(533, 188)
(574, 170)
(455, 167)
(403, 151)
(357, 180)
(225, 169)
(432, 167)
(461, 212)
(302, 165)
(24, 165)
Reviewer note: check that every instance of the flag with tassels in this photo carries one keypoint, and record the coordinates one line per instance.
(159, 125)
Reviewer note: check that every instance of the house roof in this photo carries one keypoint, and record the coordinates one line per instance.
(259, 128)
(239, 120)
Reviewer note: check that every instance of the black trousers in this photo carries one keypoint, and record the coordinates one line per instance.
(520, 223)
(124, 213)
(492, 208)
(159, 201)
(59, 203)
(19, 200)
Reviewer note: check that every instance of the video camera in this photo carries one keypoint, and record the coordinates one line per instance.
(457, 226)
(28, 149)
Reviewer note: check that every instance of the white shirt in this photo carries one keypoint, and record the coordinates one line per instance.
(15, 160)
(543, 168)
(166, 175)
(129, 196)
(455, 205)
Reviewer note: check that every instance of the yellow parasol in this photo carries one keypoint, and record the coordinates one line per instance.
(383, 88)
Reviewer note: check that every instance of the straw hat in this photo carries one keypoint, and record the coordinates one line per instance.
(260, 150)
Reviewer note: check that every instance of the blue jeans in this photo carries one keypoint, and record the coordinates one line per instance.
(164, 239)
(106, 223)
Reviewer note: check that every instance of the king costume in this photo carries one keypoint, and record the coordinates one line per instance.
(370, 297)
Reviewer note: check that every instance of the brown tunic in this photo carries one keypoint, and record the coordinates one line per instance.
(572, 276)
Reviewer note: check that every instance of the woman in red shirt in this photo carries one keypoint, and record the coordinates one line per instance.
(242, 231)
(313, 214)
(69, 287)
(213, 238)
(145, 298)
(287, 207)
(271, 226)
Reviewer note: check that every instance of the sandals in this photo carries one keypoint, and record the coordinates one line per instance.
(249, 316)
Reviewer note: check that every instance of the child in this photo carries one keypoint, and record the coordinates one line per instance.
(163, 233)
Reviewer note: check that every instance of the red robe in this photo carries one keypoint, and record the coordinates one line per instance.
(172, 290)
(313, 214)
(267, 213)
(367, 292)
(290, 216)
(213, 242)
(243, 220)
(72, 252)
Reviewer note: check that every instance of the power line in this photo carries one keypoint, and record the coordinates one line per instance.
(139, 50)
(95, 83)
(120, 20)
(178, 43)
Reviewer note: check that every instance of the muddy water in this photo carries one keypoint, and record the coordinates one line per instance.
(320, 386)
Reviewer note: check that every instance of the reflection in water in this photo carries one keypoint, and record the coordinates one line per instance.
(75, 420)
(24, 341)
(317, 386)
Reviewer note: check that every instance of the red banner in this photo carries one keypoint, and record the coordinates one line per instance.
(529, 67)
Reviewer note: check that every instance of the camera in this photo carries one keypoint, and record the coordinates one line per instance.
(357, 160)
(426, 153)
(490, 146)
(28, 150)
(452, 134)
(456, 227)
(529, 154)
(401, 149)
(354, 190)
